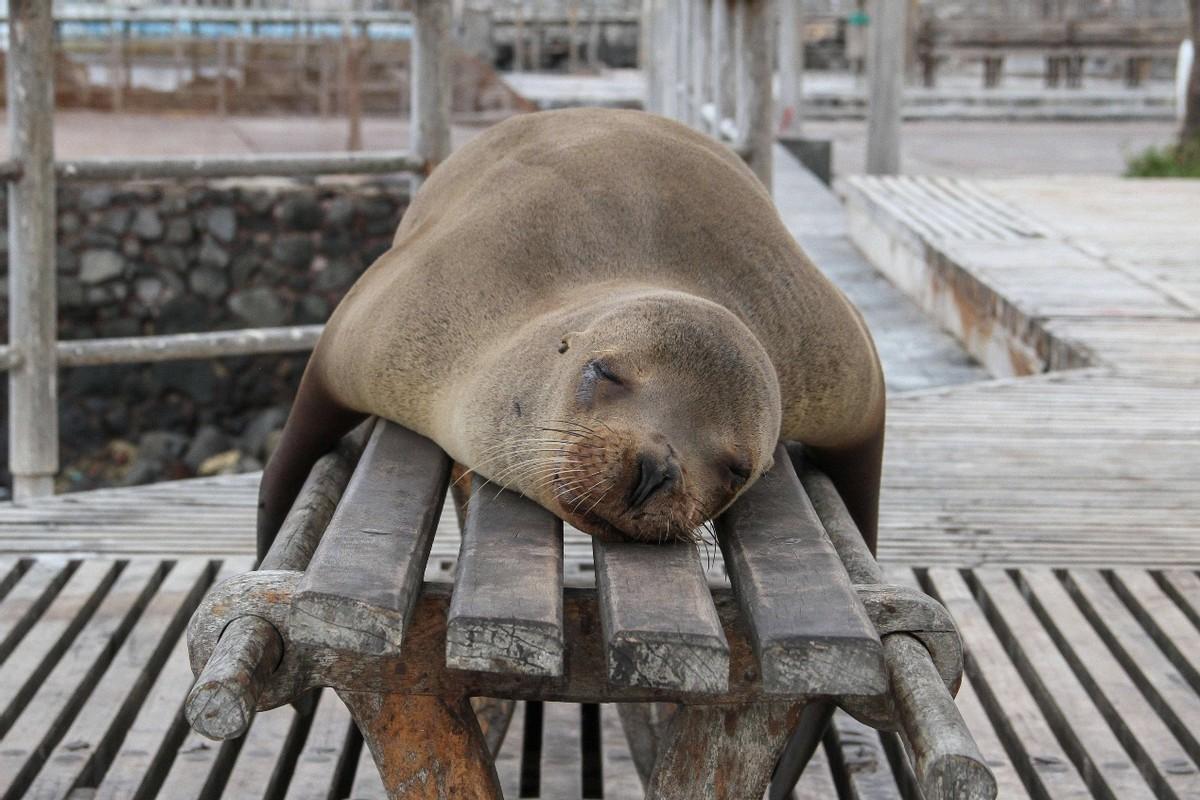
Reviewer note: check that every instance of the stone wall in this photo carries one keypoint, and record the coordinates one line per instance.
(174, 258)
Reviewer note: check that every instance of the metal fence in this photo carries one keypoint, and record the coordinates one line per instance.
(34, 355)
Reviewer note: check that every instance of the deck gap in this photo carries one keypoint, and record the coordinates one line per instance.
(1060, 726)
(1189, 611)
(290, 754)
(1178, 728)
(590, 762)
(21, 699)
(906, 779)
(13, 575)
(109, 745)
(837, 764)
(1152, 628)
(222, 768)
(992, 707)
(79, 698)
(1138, 754)
(531, 751)
(18, 631)
(343, 786)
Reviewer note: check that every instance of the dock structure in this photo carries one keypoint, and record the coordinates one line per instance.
(1050, 503)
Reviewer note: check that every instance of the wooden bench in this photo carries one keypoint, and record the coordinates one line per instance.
(1065, 44)
(340, 601)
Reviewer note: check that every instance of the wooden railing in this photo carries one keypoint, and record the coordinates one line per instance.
(33, 354)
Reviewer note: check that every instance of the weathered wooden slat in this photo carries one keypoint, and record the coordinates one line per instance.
(1184, 587)
(508, 760)
(1155, 675)
(258, 772)
(321, 763)
(1041, 762)
(49, 711)
(91, 739)
(10, 573)
(38, 651)
(660, 626)
(23, 604)
(868, 774)
(816, 783)
(561, 752)
(808, 628)
(1139, 728)
(145, 753)
(1165, 620)
(359, 589)
(618, 770)
(1066, 702)
(368, 785)
(506, 611)
(1008, 782)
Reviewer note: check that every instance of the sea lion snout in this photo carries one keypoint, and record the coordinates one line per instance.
(657, 472)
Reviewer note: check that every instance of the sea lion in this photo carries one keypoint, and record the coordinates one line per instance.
(602, 310)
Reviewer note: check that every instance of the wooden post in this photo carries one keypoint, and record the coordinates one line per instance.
(701, 54)
(669, 47)
(519, 37)
(647, 54)
(222, 67)
(430, 122)
(682, 33)
(720, 63)
(32, 302)
(593, 43)
(536, 34)
(324, 81)
(116, 63)
(354, 58)
(885, 102)
(791, 67)
(573, 38)
(756, 60)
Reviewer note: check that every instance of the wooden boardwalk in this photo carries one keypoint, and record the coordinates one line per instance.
(1080, 683)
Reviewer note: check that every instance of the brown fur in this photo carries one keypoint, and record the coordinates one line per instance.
(557, 238)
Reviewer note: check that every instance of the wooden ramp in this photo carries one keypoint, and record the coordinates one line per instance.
(1081, 683)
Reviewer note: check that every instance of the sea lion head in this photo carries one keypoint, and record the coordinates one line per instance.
(651, 415)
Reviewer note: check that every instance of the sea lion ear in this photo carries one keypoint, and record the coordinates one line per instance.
(565, 343)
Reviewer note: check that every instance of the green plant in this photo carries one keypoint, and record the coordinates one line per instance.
(1173, 161)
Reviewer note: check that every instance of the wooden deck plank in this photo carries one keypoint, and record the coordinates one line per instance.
(619, 772)
(1067, 703)
(1129, 714)
(359, 589)
(1184, 587)
(816, 783)
(660, 625)
(508, 759)
(868, 773)
(1167, 622)
(809, 631)
(258, 771)
(367, 783)
(145, 754)
(506, 610)
(1037, 754)
(50, 711)
(1008, 782)
(41, 647)
(24, 603)
(103, 719)
(1177, 703)
(322, 761)
(561, 762)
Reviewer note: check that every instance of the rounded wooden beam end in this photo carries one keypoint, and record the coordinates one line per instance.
(215, 710)
(959, 777)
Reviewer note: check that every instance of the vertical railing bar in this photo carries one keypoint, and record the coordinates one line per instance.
(885, 63)
(32, 304)
(755, 94)
(701, 52)
(791, 66)
(430, 123)
(740, 98)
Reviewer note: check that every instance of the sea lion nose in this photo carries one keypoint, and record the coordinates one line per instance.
(656, 473)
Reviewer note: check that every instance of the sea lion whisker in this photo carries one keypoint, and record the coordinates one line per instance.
(598, 499)
(587, 493)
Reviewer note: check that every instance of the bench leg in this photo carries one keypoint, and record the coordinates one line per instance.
(427, 748)
(722, 752)
(645, 726)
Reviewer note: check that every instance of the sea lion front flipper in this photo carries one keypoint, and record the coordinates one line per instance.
(315, 425)
(855, 472)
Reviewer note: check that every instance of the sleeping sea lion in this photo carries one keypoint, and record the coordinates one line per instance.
(603, 311)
